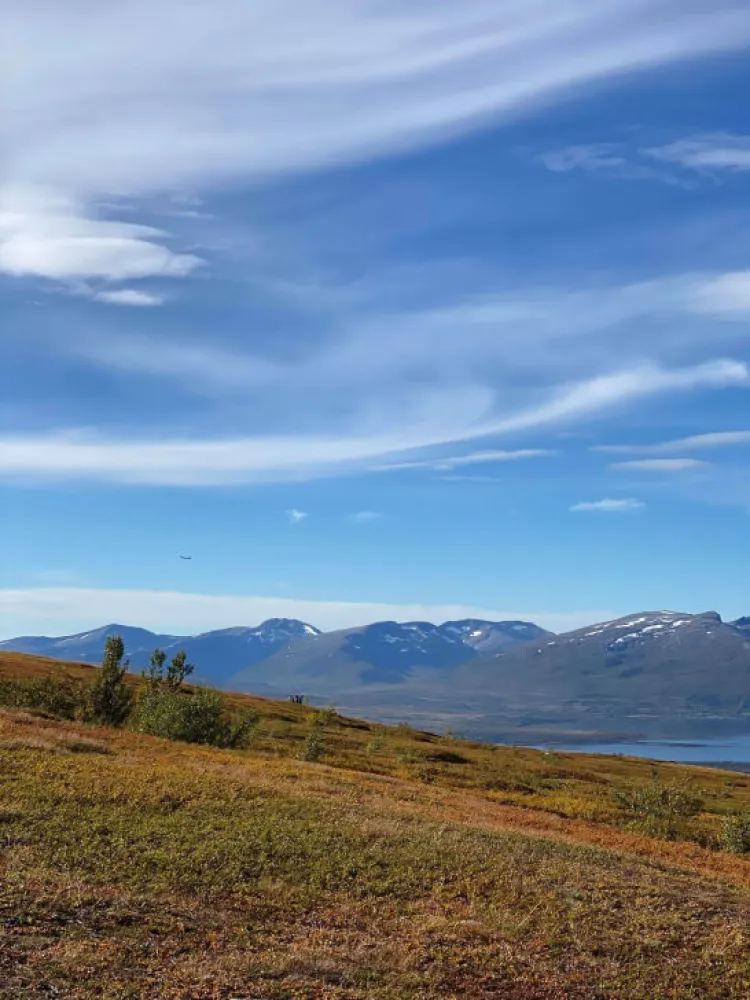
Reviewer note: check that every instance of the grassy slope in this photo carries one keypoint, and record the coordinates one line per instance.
(427, 867)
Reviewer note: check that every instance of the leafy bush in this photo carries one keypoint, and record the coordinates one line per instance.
(326, 715)
(735, 833)
(193, 717)
(57, 695)
(204, 721)
(106, 699)
(375, 743)
(314, 746)
(159, 713)
(659, 810)
(165, 709)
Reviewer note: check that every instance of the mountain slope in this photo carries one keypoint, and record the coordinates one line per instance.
(216, 655)
(654, 655)
(653, 674)
(88, 647)
(219, 655)
(384, 653)
(649, 672)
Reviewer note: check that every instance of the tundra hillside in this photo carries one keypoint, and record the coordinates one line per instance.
(333, 858)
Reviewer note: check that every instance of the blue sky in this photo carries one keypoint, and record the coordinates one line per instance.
(376, 310)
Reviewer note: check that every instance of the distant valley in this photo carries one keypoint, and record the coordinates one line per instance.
(651, 674)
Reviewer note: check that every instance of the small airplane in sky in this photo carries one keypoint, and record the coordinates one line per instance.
(186, 557)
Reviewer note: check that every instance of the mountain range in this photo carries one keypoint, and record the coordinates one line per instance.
(387, 651)
(217, 655)
(654, 674)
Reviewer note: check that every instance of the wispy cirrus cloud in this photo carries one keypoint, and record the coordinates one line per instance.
(468, 479)
(472, 458)
(355, 79)
(440, 419)
(661, 465)
(367, 346)
(604, 159)
(710, 153)
(295, 516)
(595, 157)
(227, 93)
(726, 296)
(129, 297)
(713, 439)
(365, 516)
(608, 506)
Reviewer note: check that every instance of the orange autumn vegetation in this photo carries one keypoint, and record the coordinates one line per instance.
(398, 864)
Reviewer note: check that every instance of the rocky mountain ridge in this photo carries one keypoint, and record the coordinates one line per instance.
(388, 649)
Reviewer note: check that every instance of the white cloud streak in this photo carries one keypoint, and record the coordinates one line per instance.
(595, 157)
(708, 153)
(611, 390)
(661, 465)
(128, 99)
(473, 458)
(365, 516)
(277, 458)
(365, 356)
(63, 610)
(727, 296)
(711, 154)
(609, 506)
(605, 159)
(714, 439)
(129, 297)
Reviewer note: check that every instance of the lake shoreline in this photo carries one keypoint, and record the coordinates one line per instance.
(730, 753)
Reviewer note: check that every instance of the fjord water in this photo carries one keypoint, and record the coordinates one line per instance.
(729, 750)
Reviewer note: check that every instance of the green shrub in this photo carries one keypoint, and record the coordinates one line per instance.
(159, 713)
(204, 721)
(166, 709)
(192, 717)
(375, 743)
(58, 695)
(325, 716)
(659, 810)
(735, 833)
(314, 745)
